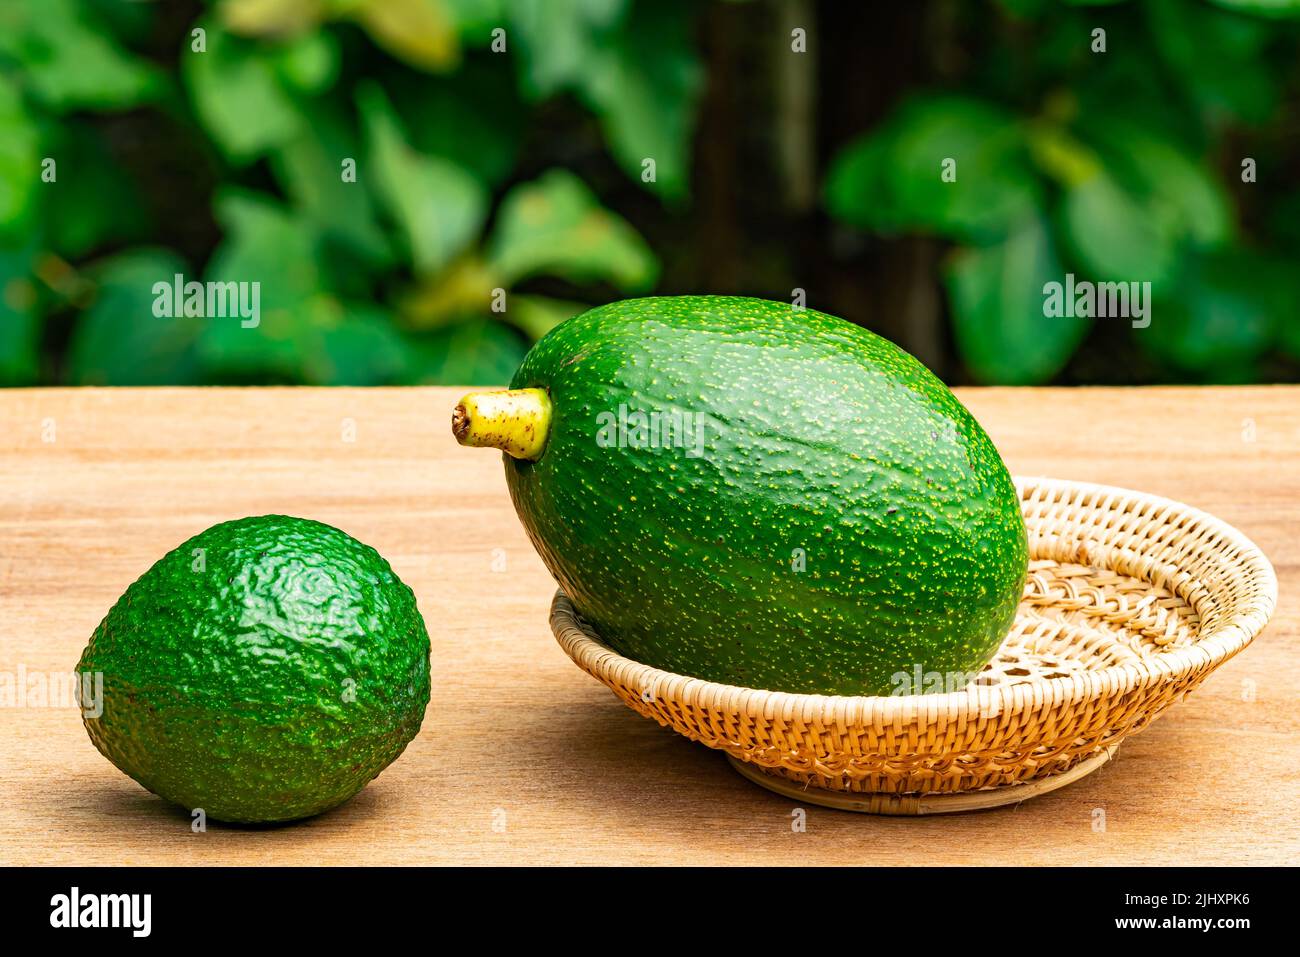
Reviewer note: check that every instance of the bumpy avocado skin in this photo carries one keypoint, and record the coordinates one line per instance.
(846, 522)
(265, 670)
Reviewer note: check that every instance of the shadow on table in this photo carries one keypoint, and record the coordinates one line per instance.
(133, 807)
(661, 789)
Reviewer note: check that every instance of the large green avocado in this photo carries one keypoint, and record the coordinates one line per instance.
(265, 670)
(744, 492)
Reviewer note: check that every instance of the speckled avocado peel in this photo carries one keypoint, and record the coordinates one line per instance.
(804, 507)
(265, 670)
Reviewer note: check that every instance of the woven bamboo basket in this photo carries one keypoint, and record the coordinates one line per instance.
(1130, 602)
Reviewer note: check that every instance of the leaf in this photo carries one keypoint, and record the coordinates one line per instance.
(478, 352)
(1155, 167)
(20, 320)
(419, 32)
(1061, 155)
(464, 288)
(303, 331)
(998, 306)
(1263, 8)
(439, 207)
(309, 63)
(271, 17)
(473, 118)
(20, 162)
(238, 96)
(476, 19)
(535, 316)
(93, 201)
(422, 33)
(555, 225)
(643, 87)
(68, 58)
(892, 179)
(265, 244)
(359, 347)
(858, 190)
(310, 170)
(1224, 312)
(635, 68)
(1217, 57)
(1117, 236)
(560, 39)
(119, 340)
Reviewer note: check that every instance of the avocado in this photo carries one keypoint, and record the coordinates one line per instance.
(760, 495)
(265, 670)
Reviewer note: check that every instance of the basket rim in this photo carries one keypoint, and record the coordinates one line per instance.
(1210, 650)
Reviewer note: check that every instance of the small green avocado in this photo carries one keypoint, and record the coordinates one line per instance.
(265, 670)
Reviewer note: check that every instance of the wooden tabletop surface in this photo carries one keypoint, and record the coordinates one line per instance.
(524, 759)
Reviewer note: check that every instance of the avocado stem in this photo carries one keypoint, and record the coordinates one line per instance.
(516, 421)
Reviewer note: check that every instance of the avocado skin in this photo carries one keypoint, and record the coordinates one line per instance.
(227, 683)
(823, 437)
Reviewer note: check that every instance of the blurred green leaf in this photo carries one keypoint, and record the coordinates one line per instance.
(265, 244)
(560, 39)
(311, 171)
(20, 322)
(634, 66)
(69, 59)
(119, 340)
(998, 305)
(464, 288)
(1119, 236)
(420, 32)
(473, 118)
(93, 201)
(1218, 57)
(476, 19)
(643, 87)
(1061, 155)
(1125, 86)
(20, 161)
(439, 207)
(556, 225)
(304, 332)
(1263, 8)
(271, 17)
(1157, 168)
(1224, 312)
(279, 349)
(130, 22)
(359, 346)
(535, 316)
(891, 179)
(239, 97)
(478, 352)
(857, 186)
(309, 63)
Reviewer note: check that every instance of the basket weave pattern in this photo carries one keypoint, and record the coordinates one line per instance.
(1130, 602)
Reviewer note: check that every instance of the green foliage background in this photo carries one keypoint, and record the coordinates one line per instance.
(523, 171)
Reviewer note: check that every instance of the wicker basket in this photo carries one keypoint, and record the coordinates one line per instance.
(1131, 601)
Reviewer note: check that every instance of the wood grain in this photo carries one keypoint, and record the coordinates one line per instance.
(522, 758)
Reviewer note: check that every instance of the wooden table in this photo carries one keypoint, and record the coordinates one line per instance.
(524, 759)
